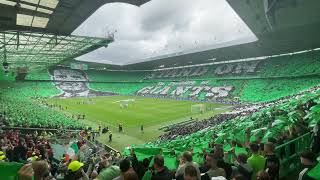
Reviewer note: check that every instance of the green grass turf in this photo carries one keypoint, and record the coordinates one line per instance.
(151, 113)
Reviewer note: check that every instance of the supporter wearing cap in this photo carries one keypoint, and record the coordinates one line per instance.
(33, 157)
(2, 156)
(76, 172)
(75, 166)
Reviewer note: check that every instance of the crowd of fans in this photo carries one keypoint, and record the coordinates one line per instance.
(239, 111)
(261, 164)
(34, 150)
(26, 147)
(182, 130)
(259, 161)
(33, 115)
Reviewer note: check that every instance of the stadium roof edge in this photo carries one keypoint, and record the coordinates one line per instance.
(60, 17)
(103, 67)
(282, 27)
(30, 50)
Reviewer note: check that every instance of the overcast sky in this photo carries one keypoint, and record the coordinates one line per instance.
(162, 27)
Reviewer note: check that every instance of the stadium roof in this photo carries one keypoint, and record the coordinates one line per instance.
(282, 26)
(36, 33)
(38, 50)
(51, 16)
(158, 30)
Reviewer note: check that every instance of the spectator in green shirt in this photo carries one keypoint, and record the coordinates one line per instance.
(256, 161)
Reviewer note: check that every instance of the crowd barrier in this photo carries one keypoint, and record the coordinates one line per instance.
(289, 154)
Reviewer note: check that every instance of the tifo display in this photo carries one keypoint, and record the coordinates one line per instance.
(198, 114)
(159, 90)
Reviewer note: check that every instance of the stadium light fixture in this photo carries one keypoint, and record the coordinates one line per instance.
(44, 11)
(35, 2)
(24, 20)
(6, 2)
(40, 22)
(26, 6)
(49, 3)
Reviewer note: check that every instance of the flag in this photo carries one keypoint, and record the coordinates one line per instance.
(9, 170)
(315, 172)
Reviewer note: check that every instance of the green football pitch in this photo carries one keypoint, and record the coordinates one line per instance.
(149, 112)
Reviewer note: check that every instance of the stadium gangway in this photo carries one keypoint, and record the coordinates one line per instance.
(289, 154)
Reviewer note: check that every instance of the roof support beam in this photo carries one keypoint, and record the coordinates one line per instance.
(23, 48)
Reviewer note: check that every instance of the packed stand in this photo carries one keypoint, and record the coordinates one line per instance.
(35, 155)
(251, 137)
(33, 115)
(238, 111)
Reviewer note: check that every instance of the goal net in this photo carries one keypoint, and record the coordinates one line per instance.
(126, 103)
(198, 108)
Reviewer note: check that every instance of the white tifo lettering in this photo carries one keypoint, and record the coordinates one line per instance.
(184, 72)
(249, 67)
(191, 91)
(145, 90)
(199, 71)
(219, 92)
(180, 90)
(156, 90)
(232, 68)
(196, 91)
(223, 69)
(165, 90)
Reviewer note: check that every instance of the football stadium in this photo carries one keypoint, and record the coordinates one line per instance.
(160, 89)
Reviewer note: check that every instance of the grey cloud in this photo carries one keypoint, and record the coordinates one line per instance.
(161, 27)
(160, 14)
